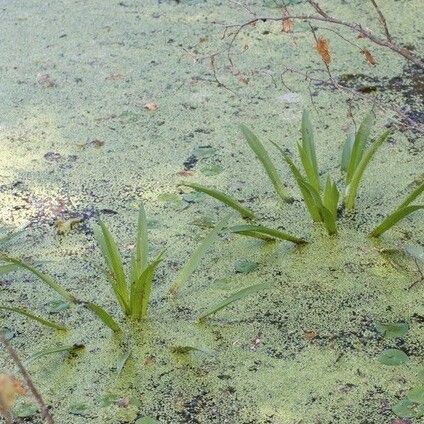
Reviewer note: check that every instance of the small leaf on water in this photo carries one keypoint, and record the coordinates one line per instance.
(122, 360)
(323, 49)
(406, 408)
(151, 106)
(392, 330)
(8, 333)
(25, 410)
(244, 266)
(79, 408)
(416, 395)
(56, 306)
(287, 23)
(204, 152)
(393, 357)
(369, 57)
(211, 170)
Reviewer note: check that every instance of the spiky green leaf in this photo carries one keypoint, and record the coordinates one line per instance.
(266, 162)
(224, 198)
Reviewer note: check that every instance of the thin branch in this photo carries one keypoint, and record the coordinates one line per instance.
(323, 61)
(382, 20)
(45, 413)
(356, 27)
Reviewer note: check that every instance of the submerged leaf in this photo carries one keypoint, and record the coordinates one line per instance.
(184, 350)
(69, 349)
(244, 266)
(407, 408)
(191, 265)
(241, 294)
(392, 330)
(122, 360)
(393, 357)
(46, 279)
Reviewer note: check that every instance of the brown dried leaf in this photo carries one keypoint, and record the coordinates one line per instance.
(97, 143)
(369, 57)
(185, 173)
(151, 106)
(287, 23)
(10, 389)
(309, 335)
(114, 77)
(322, 47)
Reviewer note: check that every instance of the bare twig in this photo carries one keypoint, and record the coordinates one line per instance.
(324, 17)
(382, 20)
(420, 272)
(45, 413)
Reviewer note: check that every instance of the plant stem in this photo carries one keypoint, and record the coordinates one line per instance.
(45, 413)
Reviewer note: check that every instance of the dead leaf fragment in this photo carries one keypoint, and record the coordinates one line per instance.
(369, 57)
(287, 23)
(309, 335)
(123, 402)
(64, 226)
(323, 49)
(151, 106)
(97, 143)
(10, 389)
(185, 173)
(114, 77)
(45, 80)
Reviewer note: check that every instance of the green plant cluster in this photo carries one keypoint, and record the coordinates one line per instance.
(321, 199)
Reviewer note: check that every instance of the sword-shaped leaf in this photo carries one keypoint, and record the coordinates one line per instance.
(46, 279)
(358, 147)
(30, 315)
(394, 218)
(352, 187)
(224, 198)
(266, 162)
(194, 260)
(103, 316)
(265, 233)
(241, 294)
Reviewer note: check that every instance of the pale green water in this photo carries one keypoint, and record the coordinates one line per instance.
(107, 61)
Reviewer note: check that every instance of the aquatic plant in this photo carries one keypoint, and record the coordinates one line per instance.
(321, 200)
(402, 211)
(49, 281)
(356, 157)
(132, 291)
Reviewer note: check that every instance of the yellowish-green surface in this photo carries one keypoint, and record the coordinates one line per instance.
(77, 141)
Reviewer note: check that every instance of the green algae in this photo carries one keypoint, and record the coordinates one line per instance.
(264, 369)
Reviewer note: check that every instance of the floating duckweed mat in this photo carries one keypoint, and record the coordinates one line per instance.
(116, 102)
